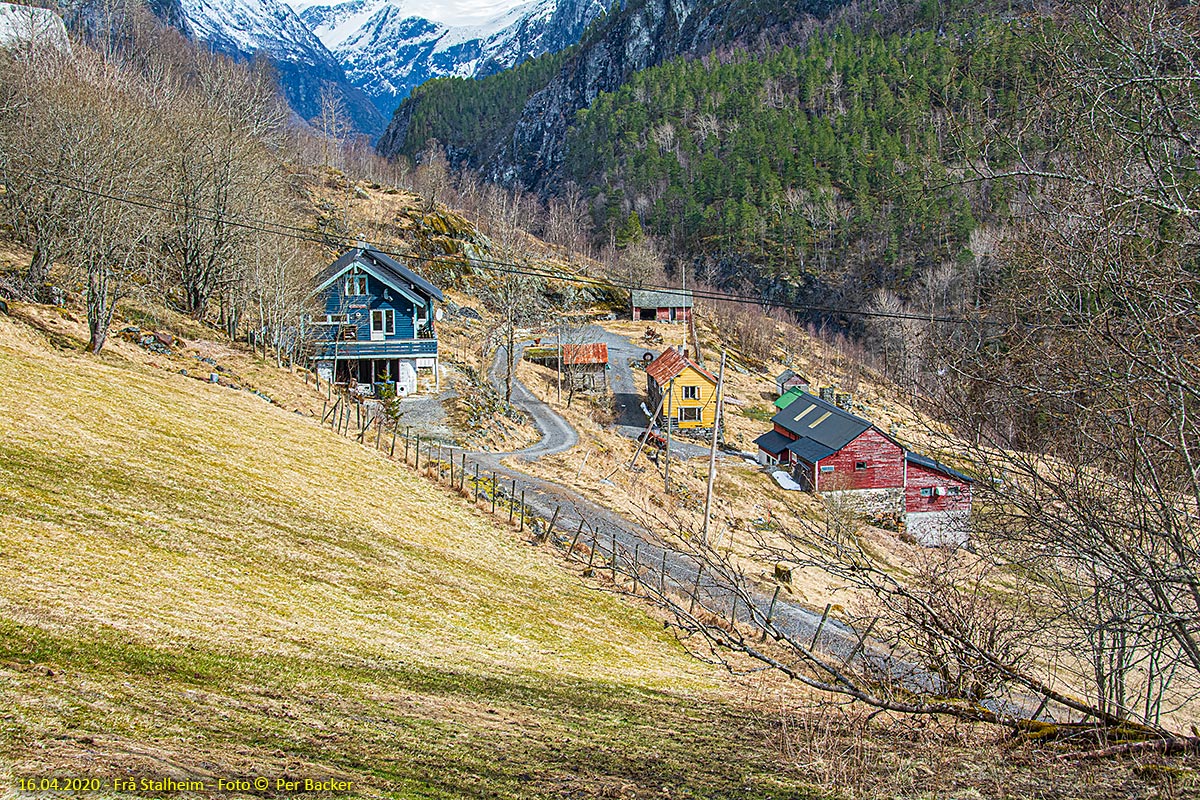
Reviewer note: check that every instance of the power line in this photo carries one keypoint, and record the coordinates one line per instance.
(259, 225)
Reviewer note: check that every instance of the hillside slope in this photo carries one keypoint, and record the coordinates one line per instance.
(198, 584)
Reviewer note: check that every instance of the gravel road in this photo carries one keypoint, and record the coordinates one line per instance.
(604, 527)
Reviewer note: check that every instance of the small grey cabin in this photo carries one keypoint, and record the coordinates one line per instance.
(377, 327)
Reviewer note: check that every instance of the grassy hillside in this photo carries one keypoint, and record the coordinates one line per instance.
(196, 583)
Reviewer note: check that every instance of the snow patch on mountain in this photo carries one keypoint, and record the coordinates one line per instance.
(389, 47)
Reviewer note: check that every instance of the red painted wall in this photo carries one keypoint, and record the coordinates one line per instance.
(885, 465)
(920, 477)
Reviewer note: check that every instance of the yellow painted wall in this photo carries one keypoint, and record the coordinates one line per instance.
(706, 401)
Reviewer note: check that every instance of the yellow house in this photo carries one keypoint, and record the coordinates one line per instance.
(692, 400)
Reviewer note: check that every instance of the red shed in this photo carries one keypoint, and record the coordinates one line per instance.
(937, 501)
(664, 305)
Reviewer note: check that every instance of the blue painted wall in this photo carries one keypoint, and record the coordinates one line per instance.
(359, 309)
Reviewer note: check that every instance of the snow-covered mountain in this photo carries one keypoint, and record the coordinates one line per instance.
(374, 52)
(388, 47)
(246, 29)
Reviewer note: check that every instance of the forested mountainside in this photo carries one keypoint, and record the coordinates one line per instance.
(806, 171)
(527, 146)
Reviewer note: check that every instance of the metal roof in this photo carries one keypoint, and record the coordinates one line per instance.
(810, 451)
(936, 466)
(593, 353)
(810, 417)
(787, 398)
(773, 442)
(661, 298)
(393, 271)
(670, 363)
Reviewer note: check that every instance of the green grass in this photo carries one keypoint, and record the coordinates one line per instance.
(193, 582)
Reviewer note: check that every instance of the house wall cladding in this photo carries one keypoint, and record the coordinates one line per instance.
(884, 465)
(359, 308)
(921, 477)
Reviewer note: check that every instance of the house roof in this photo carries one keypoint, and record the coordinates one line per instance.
(661, 298)
(810, 451)
(388, 269)
(783, 376)
(936, 466)
(809, 417)
(773, 442)
(592, 353)
(670, 363)
(787, 398)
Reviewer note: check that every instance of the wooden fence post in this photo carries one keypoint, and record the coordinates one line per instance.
(592, 554)
(522, 511)
(395, 430)
(820, 625)
(695, 589)
(417, 454)
(636, 568)
(770, 611)
(614, 556)
(512, 501)
(495, 491)
(476, 484)
(662, 574)
(451, 467)
(550, 527)
(462, 473)
(575, 541)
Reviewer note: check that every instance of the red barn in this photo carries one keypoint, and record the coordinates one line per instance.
(832, 450)
(829, 450)
(664, 305)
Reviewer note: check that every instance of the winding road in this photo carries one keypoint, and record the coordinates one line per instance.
(606, 527)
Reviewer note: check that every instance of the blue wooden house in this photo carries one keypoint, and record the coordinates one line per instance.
(377, 326)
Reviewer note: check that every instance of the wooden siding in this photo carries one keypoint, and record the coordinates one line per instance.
(884, 465)
(359, 308)
(921, 477)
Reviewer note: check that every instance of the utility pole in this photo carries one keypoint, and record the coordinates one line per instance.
(667, 472)
(712, 452)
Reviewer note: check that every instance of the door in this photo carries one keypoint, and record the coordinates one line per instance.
(383, 323)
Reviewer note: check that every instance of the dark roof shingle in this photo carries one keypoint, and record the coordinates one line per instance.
(812, 418)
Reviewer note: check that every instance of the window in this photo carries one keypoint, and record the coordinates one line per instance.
(689, 415)
(827, 469)
(335, 319)
(383, 323)
(356, 285)
(954, 491)
(859, 466)
(927, 491)
(691, 393)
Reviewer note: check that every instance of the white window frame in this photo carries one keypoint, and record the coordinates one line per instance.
(334, 319)
(387, 324)
(691, 393)
(356, 285)
(827, 469)
(690, 411)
